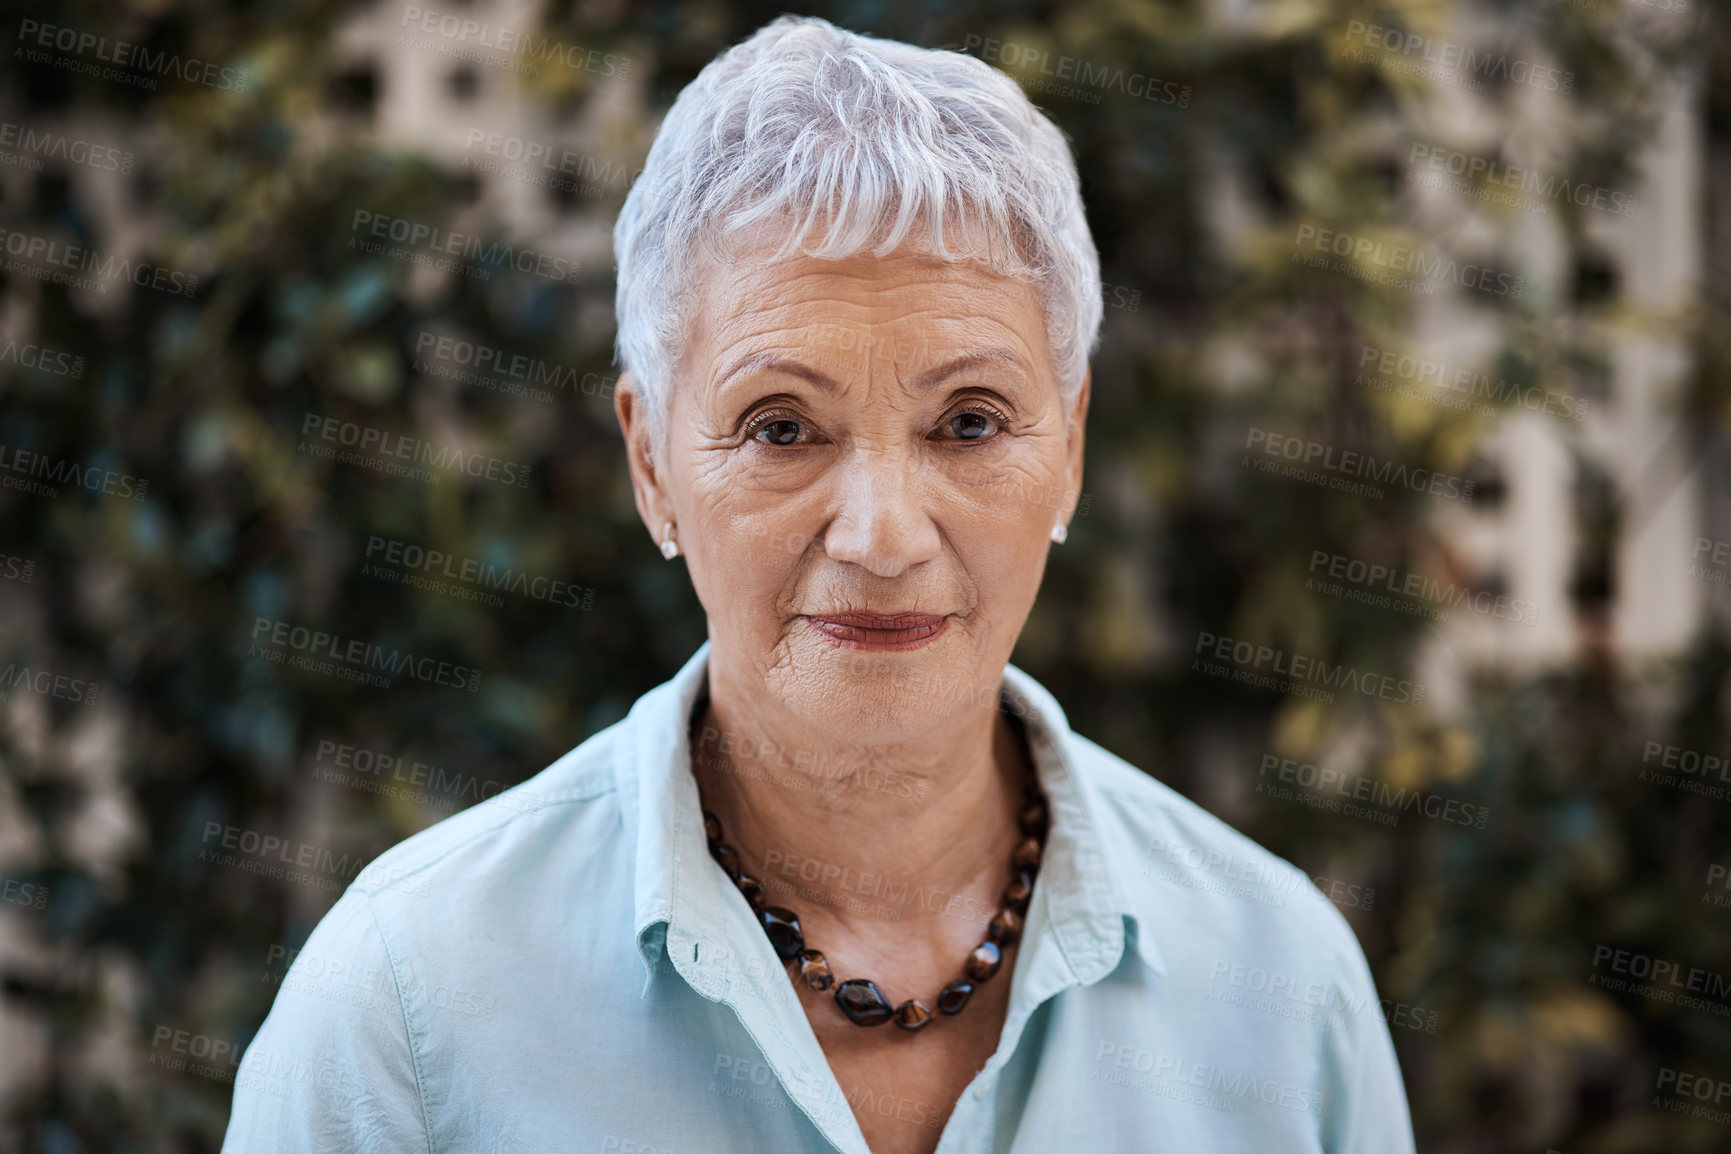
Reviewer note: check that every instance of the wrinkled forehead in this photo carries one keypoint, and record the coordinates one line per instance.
(909, 314)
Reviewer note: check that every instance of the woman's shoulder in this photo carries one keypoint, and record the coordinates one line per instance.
(1153, 811)
(578, 787)
(1196, 878)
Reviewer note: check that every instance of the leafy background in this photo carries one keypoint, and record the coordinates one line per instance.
(105, 804)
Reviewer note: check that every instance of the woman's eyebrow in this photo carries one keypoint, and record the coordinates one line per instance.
(990, 356)
(926, 381)
(776, 362)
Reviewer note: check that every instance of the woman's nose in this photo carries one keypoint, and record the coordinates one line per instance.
(881, 516)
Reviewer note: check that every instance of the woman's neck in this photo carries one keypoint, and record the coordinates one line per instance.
(865, 842)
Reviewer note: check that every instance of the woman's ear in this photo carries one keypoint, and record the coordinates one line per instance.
(1075, 427)
(648, 476)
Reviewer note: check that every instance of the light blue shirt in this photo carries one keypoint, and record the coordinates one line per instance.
(564, 967)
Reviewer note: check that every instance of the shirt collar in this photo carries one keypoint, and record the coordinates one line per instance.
(680, 898)
(1088, 898)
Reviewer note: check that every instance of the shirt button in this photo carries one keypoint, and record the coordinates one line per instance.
(980, 1090)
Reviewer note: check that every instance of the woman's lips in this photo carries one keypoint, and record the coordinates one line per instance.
(879, 630)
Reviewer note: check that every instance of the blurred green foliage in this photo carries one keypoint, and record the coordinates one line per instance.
(208, 397)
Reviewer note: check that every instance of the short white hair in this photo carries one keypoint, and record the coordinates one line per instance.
(861, 139)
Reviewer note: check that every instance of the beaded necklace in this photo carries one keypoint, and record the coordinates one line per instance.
(861, 999)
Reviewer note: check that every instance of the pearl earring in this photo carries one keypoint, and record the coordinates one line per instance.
(669, 547)
(1059, 533)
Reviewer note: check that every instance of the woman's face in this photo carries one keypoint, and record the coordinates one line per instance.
(869, 436)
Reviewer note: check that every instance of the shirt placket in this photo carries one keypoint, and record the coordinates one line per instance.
(1073, 938)
(744, 974)
(716, 945)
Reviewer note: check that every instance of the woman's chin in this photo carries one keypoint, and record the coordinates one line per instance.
(882, 698)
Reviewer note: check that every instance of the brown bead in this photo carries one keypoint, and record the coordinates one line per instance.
(782, 926)
(1027, 855)
(1005, 928)
(1020, 889)
(983, 962)
(814, 968)
(727, 856)
(862, 1001)
(711, 827)
(1032, 819)
(954, 996)
(753, 890)
(913, 1014)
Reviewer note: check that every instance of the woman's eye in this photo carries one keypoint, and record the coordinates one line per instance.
(779, 431)
(971, 425)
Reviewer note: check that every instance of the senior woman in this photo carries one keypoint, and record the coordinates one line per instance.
(847, 882)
